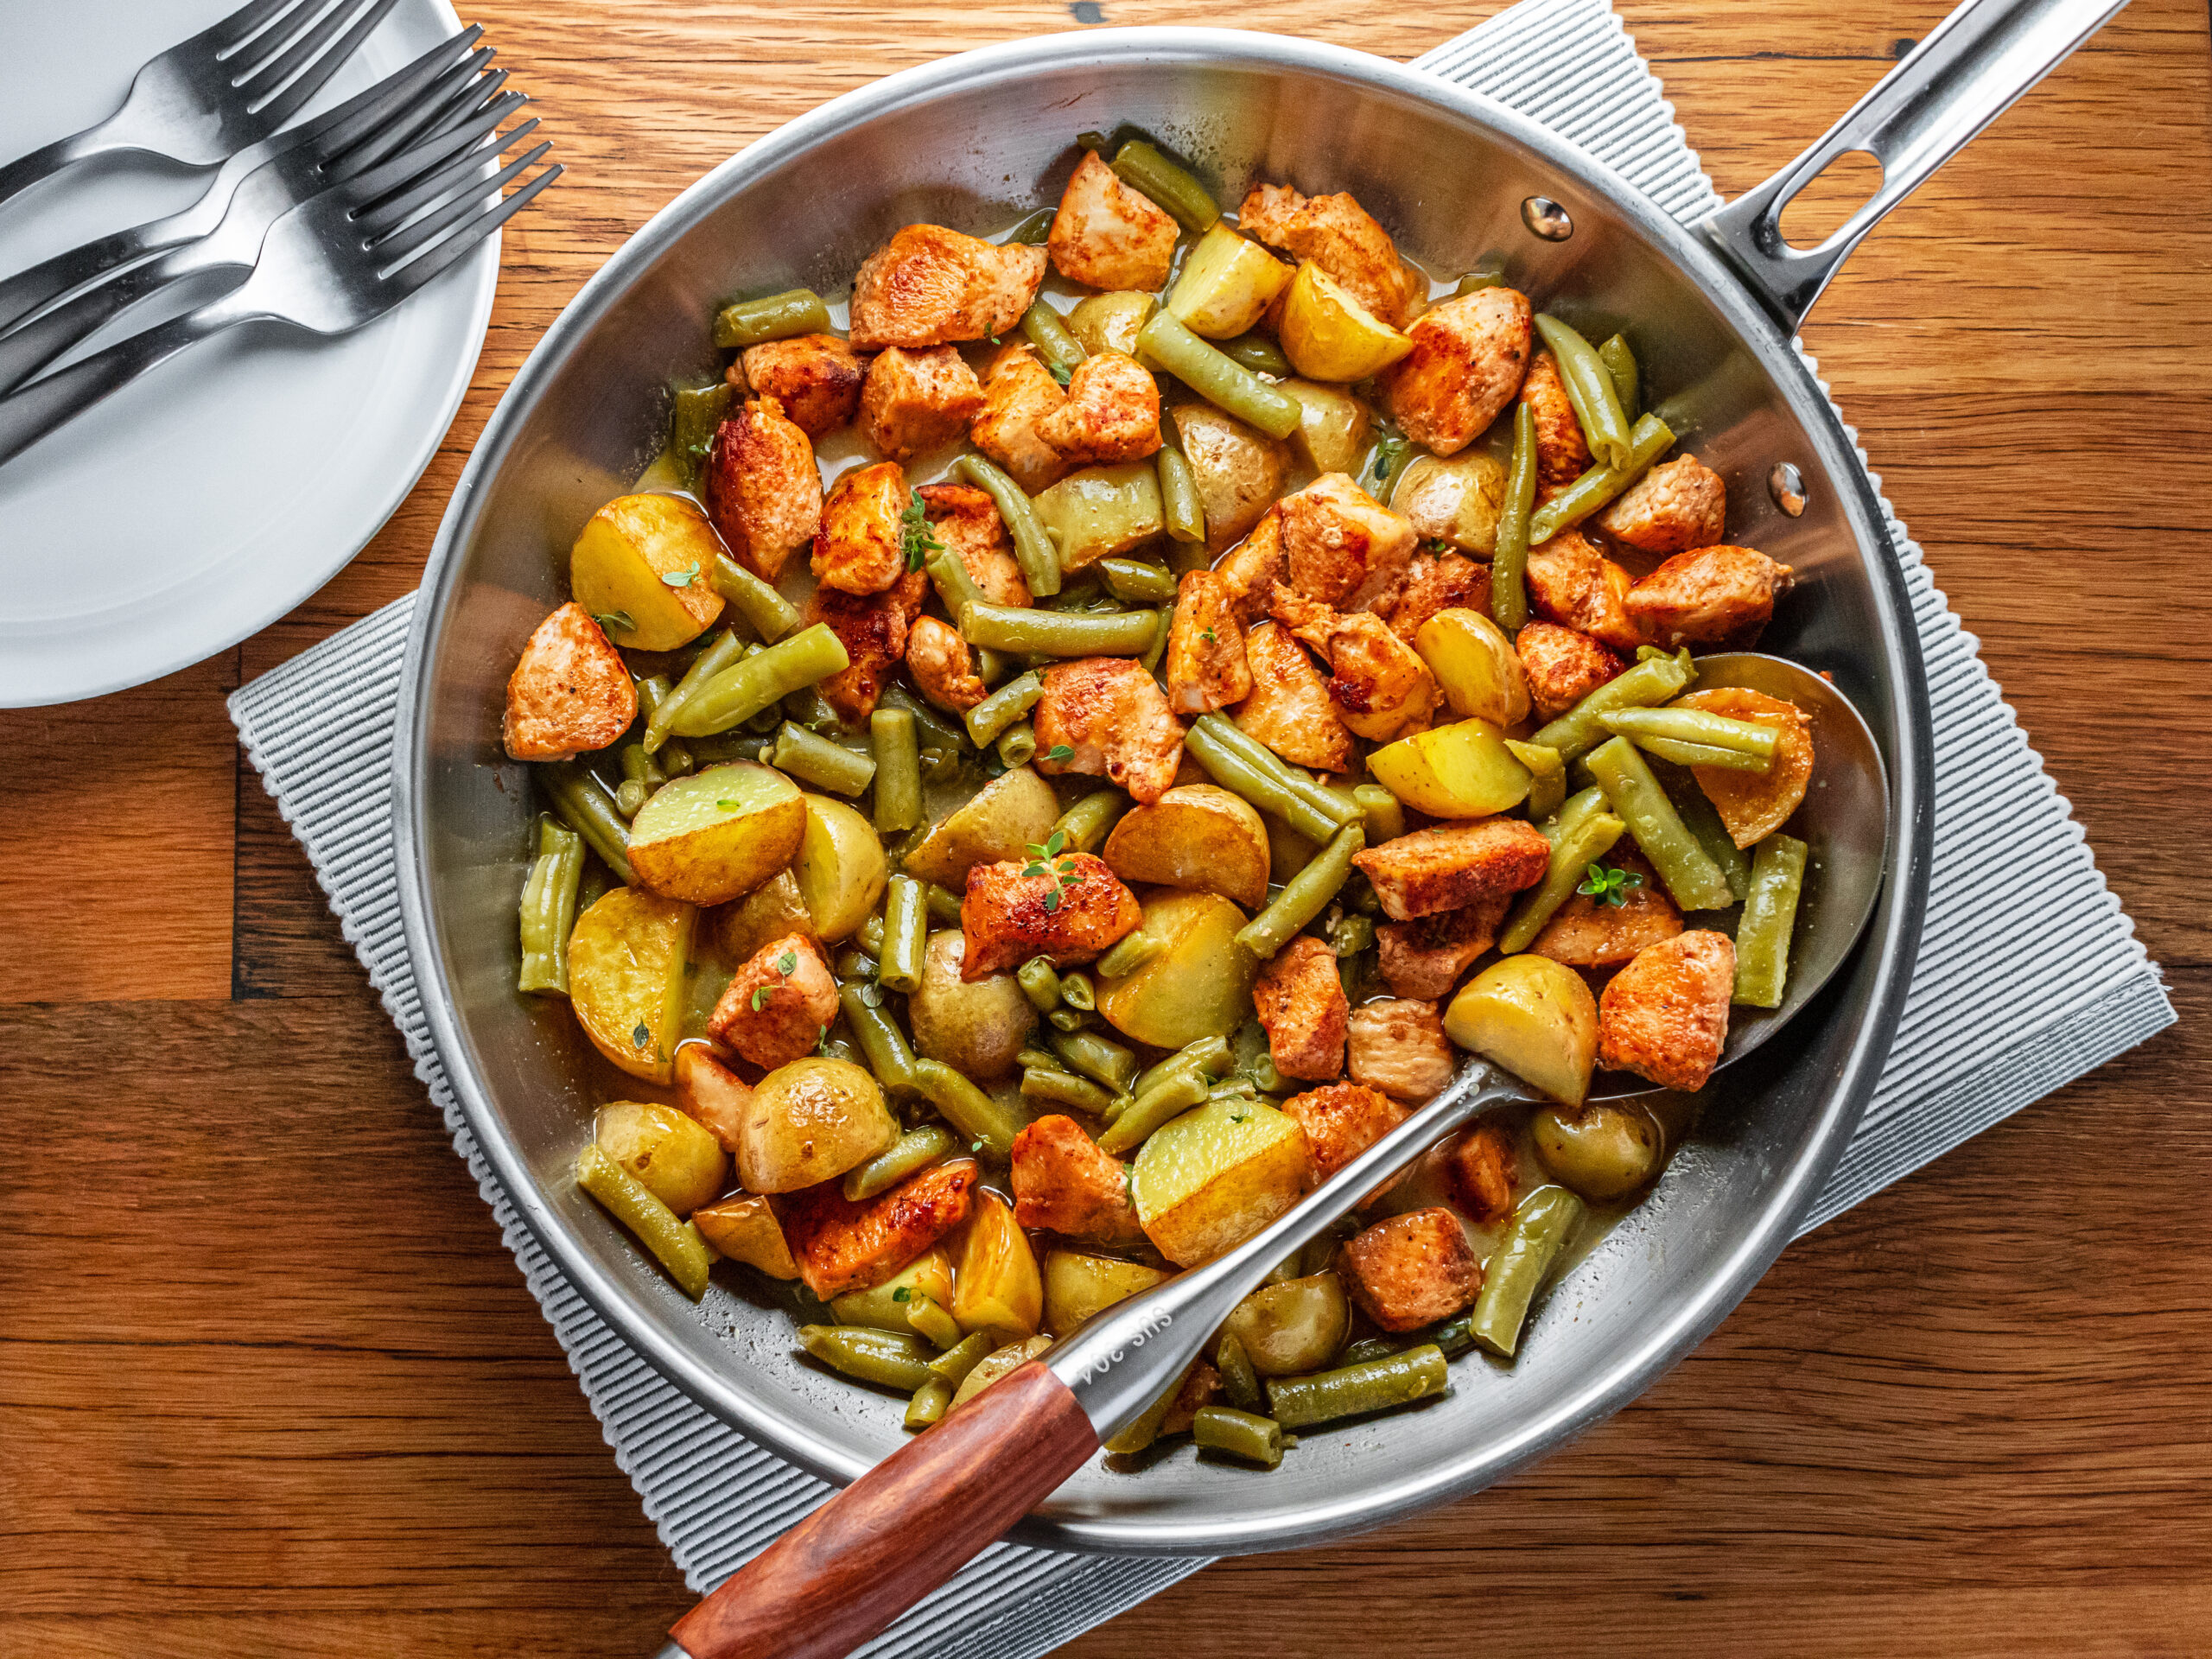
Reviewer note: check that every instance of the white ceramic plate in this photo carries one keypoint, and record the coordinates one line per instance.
(201, 503)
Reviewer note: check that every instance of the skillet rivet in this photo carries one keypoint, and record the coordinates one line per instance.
(1787, 486)
(1546, 219)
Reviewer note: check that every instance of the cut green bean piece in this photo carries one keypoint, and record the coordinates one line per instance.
(1208, 1055)
(1380, 813)
(955, 584)
(1648, 439)
(1067, 1019)
(1655, 680)
(883, 1045)
(1238, 1380)
(1396, 1379)
(1033, 548)
(1576, 845)
(1146, 169)
(757, 683)
(1703, 820)
(1205, 744)
(1703, 754)
(912, 1152)
(1454, 1337)
(871, 935)
(931, 1401)
(989, 1126)
(1087, 822)
(1163, 621)
(1256, 353)
(1017, 745)
(906, 932)
(883, 1358)
(1489, 272)
(1368, 1348)
(1135, 582)
(1305, 896)
(1131, 953)
(819, 761)
(1620, 364)
(1698, 726)
(549, 908)
(1032, 231)
(1076, 991)
(964, 1356)
(694, 413)
(1064, 1088)
(1185, 513)
(1040, 982)
(1057, 634)
(1590, 388)
(1339, 807)
(1509, 568)
(1037, 1059)
(944, 905)
(1145, 1429)
(675, 1241)
(1162, 1103)
(770, 614)
(1695, 880)
(1548, 773)
(774, 316)
(988, 718)
(1241, 1433)
(1541, 1226)
(1099, 1059)
(1350, 935)
(1061, 350)
(1770, 915)
(1219, 379)
(898, 769)
(582, 803)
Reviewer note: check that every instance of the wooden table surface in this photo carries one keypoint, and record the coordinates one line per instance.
(270, 1384)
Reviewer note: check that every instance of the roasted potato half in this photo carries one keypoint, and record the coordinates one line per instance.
(1329, 335)
(1101, 511)
(1535, 1018)
(745, 1228)
(1003, 819)
(1198, 837)
(640, 568)
(1459, 770)
(810, 1122)
(1199, 986)
(718, 833)
(1215, 1176)
(996, 1286)
(679, 1161)
(1111, 322)
(1753, 806)
(1476, 665)
(626, 959)
(1293, 1326)
(1457, 500)
(976, 1029)
(841, 870)
(924, 1309)
(1078, 1286)
(1227, 284)
(1334, 427)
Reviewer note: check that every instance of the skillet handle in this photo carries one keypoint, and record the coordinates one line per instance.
(1963, 76)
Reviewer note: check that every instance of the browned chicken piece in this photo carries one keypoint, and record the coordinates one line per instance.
(1586, 932)
(1106, 235)
(778, 1004)
(1561, 666)
(1241, 470)
(861, 547)
(1704, 597)
(1019, 393)
(1424, 959)
(1434, 582)
(929, 286)
(1468, 358)
(1072, 910)
(874, 630)
(1343, 548)
(711, 1092)
(1339, 236)
(1397, 1047)
(942, 667)
(1341, 1122)
(1679, 504)
(1300, 999)
(1251, 568)
(570, 693)
(1412, 1270)
(1205, 668)
(1562, 452)
(916, 402)
(1200, 1387)
(1455, 865)
(1483, 1168)
(1064, 1184)
(817, 378)
(763, 491)
(839, 1245)
(1289, 709)
(1114, 719)
(1665, 1015)
(1571, 583)
(966, 521)
(1379, 685)
(1112, 412)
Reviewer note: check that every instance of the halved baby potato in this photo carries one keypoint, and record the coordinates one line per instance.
(996, 1288)
(840, 869)
(1002, 821)
(1213, 1177)
(1476, 665)
(1752, 806)
(1198, 837)
(1329, 335)
(1227, 284)
(1199, 986)
(1292, 1326)
(676, 1157)
(809, 1122)
(627, 957)
(925, 1309)
(1111, 322)
(1457, 500)
(1333, 426)
(1459, 770)
(645, 559)
(976, 1028)
(717, 835)
(1534, 1017)
(745, 1228)
(1078, 1286)
(1102, 511)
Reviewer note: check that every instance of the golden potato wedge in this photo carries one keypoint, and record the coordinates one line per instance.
(1199, 986)
(1198, 836)
(1476, 665)
(679, 1161)
(1240, 470)
(718, 833)
(810, 1122)
(1292, 1326)
(996, 1286)
(1457, 500)
(1459, 770)
(769, 912)
(994, 1366)
(840, 868)
(745, 1228)
(1213, 1177)
(1111, 322)
(1101, 511)
(1001, 822)
(975, 1028)
(1333, 426)
(1076, 1285)
(624, 567)
(1751, 806)
(1535, 1018)
(1228, 283)
(1603, 1151)
(1329, 335)
(926, 1309)
(627, 957)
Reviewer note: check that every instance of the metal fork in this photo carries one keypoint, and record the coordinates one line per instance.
(228, 87)
(336, 262)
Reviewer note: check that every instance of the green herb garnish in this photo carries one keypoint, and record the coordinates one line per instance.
(1388, 454)
(902, 1294)
(682, 578)
(785, 963)
(1058, 753)
(760, 996)
(616, 621)
(1061, 373)
(642, 1035)
(915, 534)
(1610, 886)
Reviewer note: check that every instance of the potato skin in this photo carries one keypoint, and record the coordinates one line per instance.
(1453, 865)
(1534, 1017)
(1341, 1122)
(795, 1004)
(1195, 835)
(1005, 920)
(1215, 1176)
(840, 1246)
(915, 402)
(1107, 235)
(1064, 1184)
(1562, 666)
(974, 1027)
(762, 489)
(570, 693)
(1754, 807)
(1112, 412)
(816, 378)
(1665, 1015)
(1239, 468)
(930, 286)
(1397, 1047)
(1469, 357)
(1483, 1169)
(1412, 1270)
(862, 546)
(810, 1122)
(1423, 959)
(1004, 816)
(1301, 999)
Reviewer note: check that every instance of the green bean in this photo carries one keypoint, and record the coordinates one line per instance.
(955, 584)
(1032, 231)
(1033, 548)
(1099, 1059)
(1697, 726)
(1394, 453)
(1352, 934)
(1144, 169)
(1238, 1380)
(1017, 745)
(883, 1358)
(1163, 1103)
(1256, 353)
(1648, 439)
(674, 1241)
(1003, 707)
(694, 413)
(1268, 792)
(819, 761)
(1489, 272)
(1770, 915)
(1549, 772)
(1067, 1019)
(1620, 364)
(1040, 982)
(640, 777)
(1656, 679)
(852, 962)
(1064, 1088)
(989, 1126)
(1367, 1348)
(1455, 1335)
(1305, 896)
(1241, 1434)
(883, 1045)
(676, 758)
(906, 932)
(1135, 581)
(912, 1152)
(1208, 1055)
(1695, 880)
(1380, 813)
(1179, 505)
(944, 905)
(870, 937)
(1131, 953)
(1581, 842)
(549, 908)
(1396, 1379)
(1219, 379)
(1703, 820)
(582, 802)
(1543, 1224)
(757, 683)
(929, 1403)
(1076, 990)
(1704, 754)
(1336, 805)
(1056, 633)
(1508, 570)
(898, 769)
(964, 1356)
(772, 616)
(774, 316)
(1590, 389)
(1061, 350)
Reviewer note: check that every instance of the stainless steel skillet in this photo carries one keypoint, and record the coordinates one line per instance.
(969, 143)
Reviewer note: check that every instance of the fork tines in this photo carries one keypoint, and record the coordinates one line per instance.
(425, 208)
(282, 51)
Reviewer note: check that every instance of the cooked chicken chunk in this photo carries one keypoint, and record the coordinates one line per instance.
(1665, 1015)
(711, 1092)
(1468, 358)
(1434, 582)
(1064, 1184)
(1107, 235)
(1714, 595)
(1115, 719)
(1562, 452)
(916, 402)
(1380, 686)
(1343, 548)
(1112, 412)
(1289, 709)
(1571, 583)
(1483, 1168)
(1341, 1122)
(1412, 1270)
(1398, 1047)
(1339, 236)
(1239, 469)
(1424, 959)
(1679, 504)
(1072, 910)
(763, 492)
(778, 1004)
(966, 521)
(1562, 667)
(817, 378)
(1200, 1387)
(1455, 865)
(841, 1246)
(1019, 393)
(570, 693)
(942, 666)
(1300, 999)
(929, 286)
(861, 547)
(1205, 668)
(1251, 568)
(874, 629)
(1587, 932)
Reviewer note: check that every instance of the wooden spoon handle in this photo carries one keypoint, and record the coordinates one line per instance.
(900, 1530)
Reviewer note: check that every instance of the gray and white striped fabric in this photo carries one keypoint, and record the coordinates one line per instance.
(2075, 988)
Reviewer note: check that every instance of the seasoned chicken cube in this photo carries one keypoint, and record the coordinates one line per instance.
(1240, 470)
(817, 378)
(1424, 959)
(1483, 1168)
(1679, 504)
(1343, 548)
(916, 402)
(763, 491)
(1115, 720)
(841, 1246)
(1587, 932)
(1434, 582)
(861, 547)
(1468, 359)
(965, 521)
(1112, 412)
(1073, 909)
(1571, 583)
(1107, 235)
(1341, 1122)
(1289, 709)
(942, 667)
(1249, 570)
(1561, 666)
(1200, 1387)
(874, 630)
(1412, 1270)
(1019, 393)
(1397, 1047)
(1562, 452)
(571, 691)
(778, 1004)
(1205, 667)
(929, 286)
(1712, 595)
(1379, 685)
(711, 1092)
(1665, 1015)
(1064, 1184)
(1339, 236)
(1455, 865)
(1300, 999)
